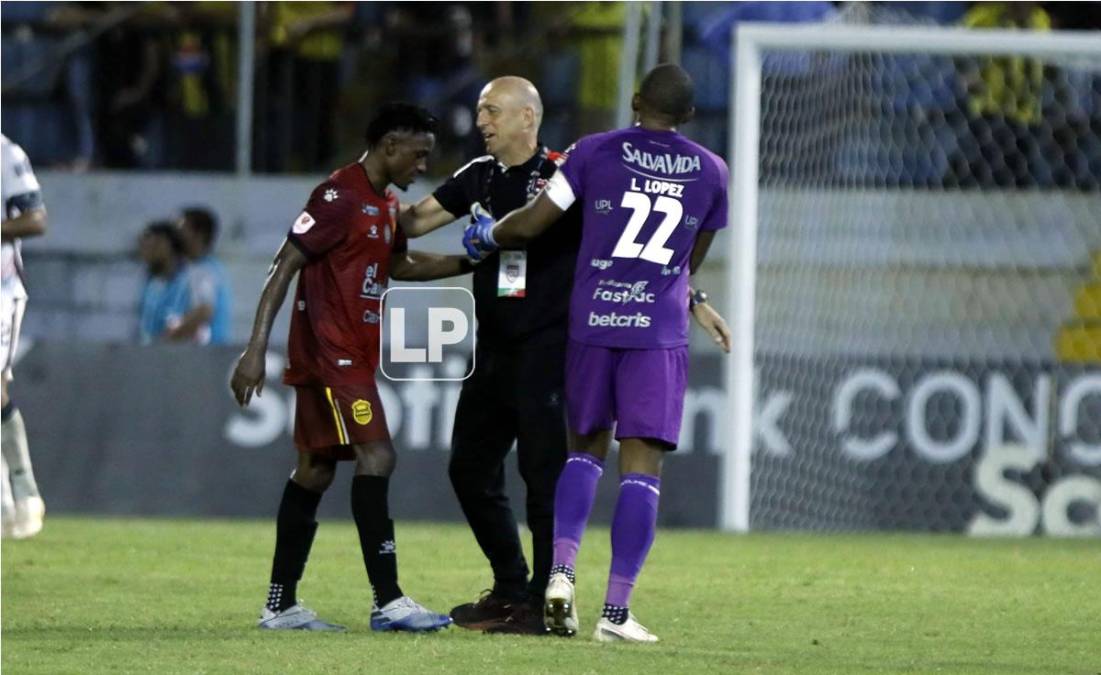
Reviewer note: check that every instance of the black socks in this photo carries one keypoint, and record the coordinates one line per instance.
(617, 615)
(294, 532)
(371, 511)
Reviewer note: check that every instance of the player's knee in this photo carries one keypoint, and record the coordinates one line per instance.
(314, 473)
(375, 459)
(640, 455)
(596, 443)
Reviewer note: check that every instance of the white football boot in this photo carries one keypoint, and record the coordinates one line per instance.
(630, 631)
(29, 513)
(406, 614)
(295, 617)
(559, 607)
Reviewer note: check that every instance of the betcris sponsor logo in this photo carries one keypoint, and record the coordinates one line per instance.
(663, 162)
(623, 293)
(614, 320)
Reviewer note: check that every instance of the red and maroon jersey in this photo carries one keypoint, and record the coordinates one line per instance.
(347, 232)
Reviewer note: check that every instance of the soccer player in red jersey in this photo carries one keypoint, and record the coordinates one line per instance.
(344, 246)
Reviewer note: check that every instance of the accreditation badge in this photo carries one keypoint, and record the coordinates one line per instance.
(512, 275)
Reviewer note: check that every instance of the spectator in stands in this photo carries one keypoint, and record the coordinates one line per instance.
(166, 295)
(1002, 99)
(707, 59)
(207, 321)
(1007, 87)
(131, 63)
(48, 83)
(304, 42)
(435, 45)
(200, 92)
(598, 27)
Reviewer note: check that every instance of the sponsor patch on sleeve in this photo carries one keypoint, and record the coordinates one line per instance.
(303, 224)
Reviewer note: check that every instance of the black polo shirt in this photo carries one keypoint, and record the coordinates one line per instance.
(541, 315)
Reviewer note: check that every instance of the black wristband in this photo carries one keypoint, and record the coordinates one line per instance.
(696, 297)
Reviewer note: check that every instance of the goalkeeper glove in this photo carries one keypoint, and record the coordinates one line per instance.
(478, 235)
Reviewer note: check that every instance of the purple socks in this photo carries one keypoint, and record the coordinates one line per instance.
(636, 517)
(573, 500)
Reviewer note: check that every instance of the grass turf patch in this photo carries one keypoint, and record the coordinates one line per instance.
(121, 595)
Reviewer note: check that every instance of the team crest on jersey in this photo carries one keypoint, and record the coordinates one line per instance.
(373, 232)
(536, 185)
(361, 412)
(330, 195)
(370, 209)
(303, 224)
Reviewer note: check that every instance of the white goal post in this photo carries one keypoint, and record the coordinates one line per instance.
(752, 42)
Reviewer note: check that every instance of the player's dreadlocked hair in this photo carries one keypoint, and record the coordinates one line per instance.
(668, 90)
(398, 116)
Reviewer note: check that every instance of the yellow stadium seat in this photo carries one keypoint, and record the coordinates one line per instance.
(1079, 342)
(1087, 301)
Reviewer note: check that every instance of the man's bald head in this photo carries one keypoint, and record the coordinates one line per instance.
(509, 114)
(520, 91)
(667, 91)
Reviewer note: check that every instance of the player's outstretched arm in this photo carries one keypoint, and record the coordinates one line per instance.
(419, 219)
(30, 223)
(527, 223)
(248, 376)
(422, 266)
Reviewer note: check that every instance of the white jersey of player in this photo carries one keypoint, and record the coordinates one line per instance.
(20, 191)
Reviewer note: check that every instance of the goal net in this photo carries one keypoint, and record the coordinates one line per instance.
(915, 270)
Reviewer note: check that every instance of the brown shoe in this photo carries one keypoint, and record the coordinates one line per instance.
(488, 610)
(525, 619)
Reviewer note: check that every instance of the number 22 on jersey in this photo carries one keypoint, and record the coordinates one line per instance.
(641, 205)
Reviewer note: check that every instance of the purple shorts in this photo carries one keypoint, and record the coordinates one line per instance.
(639, 391)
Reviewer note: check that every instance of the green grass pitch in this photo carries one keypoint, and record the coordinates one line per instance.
(161, 596)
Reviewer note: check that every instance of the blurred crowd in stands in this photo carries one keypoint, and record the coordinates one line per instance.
(153, 85)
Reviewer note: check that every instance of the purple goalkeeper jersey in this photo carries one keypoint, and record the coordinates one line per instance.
(645, 196)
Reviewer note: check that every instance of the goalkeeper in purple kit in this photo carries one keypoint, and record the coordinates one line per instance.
(652, 201)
